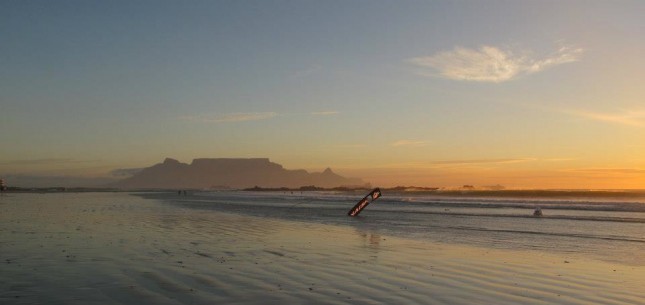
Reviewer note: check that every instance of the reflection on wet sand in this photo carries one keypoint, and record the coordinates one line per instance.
(370, 239)
(121, 249)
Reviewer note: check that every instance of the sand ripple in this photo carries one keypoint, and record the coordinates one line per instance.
(121, 249)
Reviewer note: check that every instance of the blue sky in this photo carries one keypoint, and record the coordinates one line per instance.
(396, 92)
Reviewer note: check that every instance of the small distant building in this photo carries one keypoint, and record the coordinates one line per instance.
(3, 187)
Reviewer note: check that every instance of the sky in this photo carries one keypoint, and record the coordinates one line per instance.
(524, 94)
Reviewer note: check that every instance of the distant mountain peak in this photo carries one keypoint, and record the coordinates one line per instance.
(204, 173)
(170, 161)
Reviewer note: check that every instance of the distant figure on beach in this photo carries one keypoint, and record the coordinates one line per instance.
(179, 192)
(3, 187)
(537, 212)
(184, 192)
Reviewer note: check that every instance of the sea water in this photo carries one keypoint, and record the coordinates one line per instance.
(603, 225)
(302, 248)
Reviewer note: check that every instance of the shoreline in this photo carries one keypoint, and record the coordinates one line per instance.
(456, 192)
(120, 249)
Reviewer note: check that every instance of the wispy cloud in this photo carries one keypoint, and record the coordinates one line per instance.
(628, 117)
(246, 116)
(46, 161)
(609, 171)
(349, 146)
(230, 117)
(558, 159)
(443, 164)
(324, 112)
(409, 143)
(490, 64)
(483, 161)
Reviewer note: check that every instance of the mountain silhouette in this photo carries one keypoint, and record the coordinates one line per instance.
(236, 173)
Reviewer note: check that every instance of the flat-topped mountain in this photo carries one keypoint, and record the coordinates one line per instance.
(229, 173)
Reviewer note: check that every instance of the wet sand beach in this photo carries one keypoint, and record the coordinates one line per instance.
(117, 248)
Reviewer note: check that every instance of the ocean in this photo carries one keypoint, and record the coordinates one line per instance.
(608, 225)
(237, 247)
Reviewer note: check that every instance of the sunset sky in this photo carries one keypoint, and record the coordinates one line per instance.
(526, 94)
